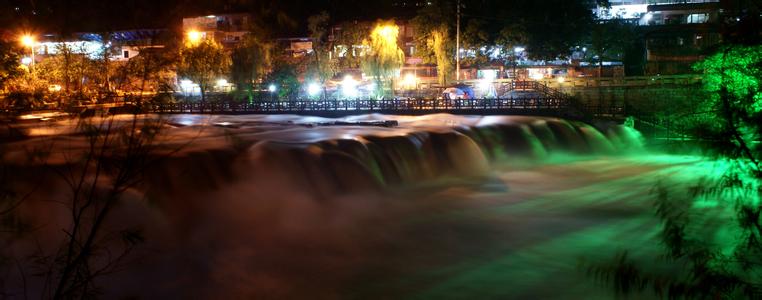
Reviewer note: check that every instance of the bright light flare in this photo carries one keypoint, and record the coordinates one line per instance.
(186, 83)
(27, 40)
(561, 79)
(388, 32)
(410, 81)
(536, 74)
(222, 83)
(26, 60)
(349, 87)
(313, 89)
(194, 36)
(272, 88)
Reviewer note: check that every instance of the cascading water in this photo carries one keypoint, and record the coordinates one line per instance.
(267, 190)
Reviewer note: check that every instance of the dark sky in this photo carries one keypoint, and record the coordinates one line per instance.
(63, 16)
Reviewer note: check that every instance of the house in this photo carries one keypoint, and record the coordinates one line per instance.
(226, 29)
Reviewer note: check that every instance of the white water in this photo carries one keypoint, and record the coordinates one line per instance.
(280, 206)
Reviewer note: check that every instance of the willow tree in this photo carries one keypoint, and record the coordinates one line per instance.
(251, 61)
(437, 42)
(385, 57)
(203, 62)
(434, 26)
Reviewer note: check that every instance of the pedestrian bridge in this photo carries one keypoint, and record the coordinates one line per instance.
(523, 98)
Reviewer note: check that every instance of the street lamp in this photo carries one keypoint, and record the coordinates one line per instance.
(272, 88)
(313, 89)
(194, 37)
(28, 41)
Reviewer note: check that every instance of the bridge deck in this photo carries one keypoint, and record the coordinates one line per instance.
(524, 106)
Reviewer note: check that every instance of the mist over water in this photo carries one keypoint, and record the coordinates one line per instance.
(294, 206)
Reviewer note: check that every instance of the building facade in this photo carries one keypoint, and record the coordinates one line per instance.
(227, 29)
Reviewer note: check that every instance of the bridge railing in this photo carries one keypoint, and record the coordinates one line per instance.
(384, 105)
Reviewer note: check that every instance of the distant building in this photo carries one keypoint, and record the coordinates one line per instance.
(679, 33)
(676, 33)
(227, 29)
(124, 45)
(295, 47)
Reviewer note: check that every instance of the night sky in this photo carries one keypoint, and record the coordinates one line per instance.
(67, 16)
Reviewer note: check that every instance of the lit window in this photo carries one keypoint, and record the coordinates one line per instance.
(697, 18)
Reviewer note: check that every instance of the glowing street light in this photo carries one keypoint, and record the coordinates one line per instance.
(561, 79)
(272, 88)
(28, 41)
(349, 87)
(410, 81)
(194, 37)
(26, 60)
(485, 84)
(313, 89)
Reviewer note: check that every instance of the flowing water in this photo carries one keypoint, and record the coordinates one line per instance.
(370, 206)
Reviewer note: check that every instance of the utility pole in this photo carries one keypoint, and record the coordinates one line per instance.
(457, 46)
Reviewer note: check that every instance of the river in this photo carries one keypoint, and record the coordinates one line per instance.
(371, 206)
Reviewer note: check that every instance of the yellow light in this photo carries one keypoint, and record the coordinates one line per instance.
(388, 32)
(194, 36)
(27, 40)
(561, 79)
(410, 81)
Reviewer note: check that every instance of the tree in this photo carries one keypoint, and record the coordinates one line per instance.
(151, 70)
(552, 27)
(9, 64)
(385, 57)
(322, 67)
(251, 61)
(203, 63)
(437, 42)
(434, 28)
(728, 120)
(609, 40)
(348, 42)
(72, 67)
(509, 38)
(284, 77)
(478, 44)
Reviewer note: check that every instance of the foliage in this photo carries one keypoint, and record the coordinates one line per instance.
(609, 40)
(321, 67)
(437, 42)
(547, 29)
(385, 57)
(553, 27)
(71, 67)
(435, 30)
(477, 41)
(284, 77)
(151, 70)
(349, 40)
(9, 64)
(250, 62)
(113, 160)
(203, 63)
(729, 121)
